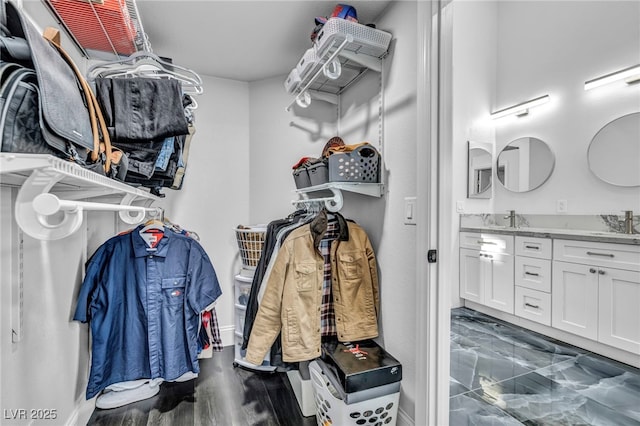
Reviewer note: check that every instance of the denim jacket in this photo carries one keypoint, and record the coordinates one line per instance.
(291, 303)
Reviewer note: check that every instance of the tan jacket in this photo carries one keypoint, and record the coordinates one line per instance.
(292, 298)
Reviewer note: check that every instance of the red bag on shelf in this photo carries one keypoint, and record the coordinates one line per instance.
(104, 25)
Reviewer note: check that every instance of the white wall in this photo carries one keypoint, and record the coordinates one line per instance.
(545, 48)
(395, 242)
(53, 350)
(588, 39)
(280, 138)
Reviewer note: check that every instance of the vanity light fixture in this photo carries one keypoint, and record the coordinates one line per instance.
(520, 109)
(629, 75)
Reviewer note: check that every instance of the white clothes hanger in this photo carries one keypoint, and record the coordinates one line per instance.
(147, 64)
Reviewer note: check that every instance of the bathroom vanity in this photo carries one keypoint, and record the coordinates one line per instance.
(582, 287)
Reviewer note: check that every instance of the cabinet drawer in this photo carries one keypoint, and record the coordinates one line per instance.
(533, 305)
(495, 243)
(533, 273)
(534, 247)
(621, 256)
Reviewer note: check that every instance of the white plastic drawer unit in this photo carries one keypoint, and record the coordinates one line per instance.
(533, 305)
(534, 247)
(533, 273)
(495, 243)
(620, 256)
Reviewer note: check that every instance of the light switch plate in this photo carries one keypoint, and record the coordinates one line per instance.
(410, 206)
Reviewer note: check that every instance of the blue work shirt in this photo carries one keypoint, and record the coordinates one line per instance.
(144, 307)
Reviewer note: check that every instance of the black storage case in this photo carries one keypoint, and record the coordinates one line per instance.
(361, 365)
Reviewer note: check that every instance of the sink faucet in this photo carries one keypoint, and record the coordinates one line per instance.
(512, 218)
(628, 222)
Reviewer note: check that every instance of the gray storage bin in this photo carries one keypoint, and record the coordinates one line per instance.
(318, 173)
(301, 177)
(360, 165)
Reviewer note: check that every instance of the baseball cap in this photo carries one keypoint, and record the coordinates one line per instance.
(343, 11)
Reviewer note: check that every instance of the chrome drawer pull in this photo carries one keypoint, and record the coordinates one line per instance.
(532, 306)
(532, 273)
(532, 247)
(486, 242)
(592, 270)
(593, 253)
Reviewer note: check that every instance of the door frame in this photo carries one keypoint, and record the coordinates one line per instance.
(434, 220)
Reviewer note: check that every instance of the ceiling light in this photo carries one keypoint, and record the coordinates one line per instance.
(629, 75)
(520, 109)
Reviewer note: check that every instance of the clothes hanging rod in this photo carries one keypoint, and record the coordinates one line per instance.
(48, 204)
(333, 203)
(347, 40)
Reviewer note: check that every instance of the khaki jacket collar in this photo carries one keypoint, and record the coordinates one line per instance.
(319, 224)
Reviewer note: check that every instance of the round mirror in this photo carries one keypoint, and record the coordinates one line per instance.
(479, 171)
(525, 164)
(614, 152)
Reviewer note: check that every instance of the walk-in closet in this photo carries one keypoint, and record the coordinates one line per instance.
(318, 213)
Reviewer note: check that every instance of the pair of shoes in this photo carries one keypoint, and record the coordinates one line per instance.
(122, 394)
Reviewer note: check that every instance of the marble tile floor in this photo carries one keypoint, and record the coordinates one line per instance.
(502, 374)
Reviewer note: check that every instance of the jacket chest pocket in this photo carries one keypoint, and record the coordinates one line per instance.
(351, 265)
(306, 276)
(173, 289)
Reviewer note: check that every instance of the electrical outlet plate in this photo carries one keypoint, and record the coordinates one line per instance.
(561, 206)
(459, 206)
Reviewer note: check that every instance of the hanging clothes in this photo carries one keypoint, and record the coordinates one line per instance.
(294, 288)
(143, 295)
(272, 241)
(327, 313)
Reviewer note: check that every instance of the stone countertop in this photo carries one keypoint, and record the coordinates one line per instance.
(566, 234)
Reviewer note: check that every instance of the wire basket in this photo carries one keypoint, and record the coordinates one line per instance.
(250, 242)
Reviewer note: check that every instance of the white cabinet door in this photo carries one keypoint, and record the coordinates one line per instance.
(499, 285)
(575, 299)
(487, 278)
(471, 281)
(619, 313)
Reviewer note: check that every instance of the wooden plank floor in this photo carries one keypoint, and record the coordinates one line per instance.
(221, 395)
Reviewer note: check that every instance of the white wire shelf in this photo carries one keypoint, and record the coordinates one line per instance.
(330, 194)
(46, 205)
(344, 51)
(370, 189)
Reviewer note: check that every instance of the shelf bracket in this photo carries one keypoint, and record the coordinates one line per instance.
(332, 204)
(44, 216)
(323, 96)
(370, 62)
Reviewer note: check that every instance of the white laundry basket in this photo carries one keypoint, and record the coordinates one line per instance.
(331, 410)
(250, 242)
